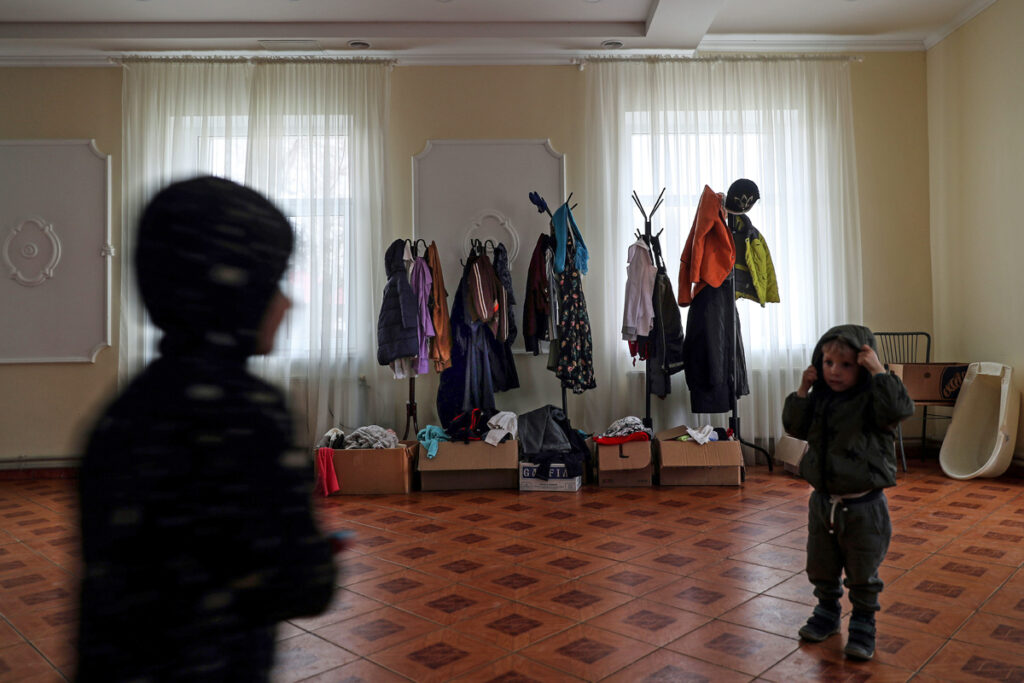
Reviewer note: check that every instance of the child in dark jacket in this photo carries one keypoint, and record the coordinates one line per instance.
(847, 408)
(197, 527)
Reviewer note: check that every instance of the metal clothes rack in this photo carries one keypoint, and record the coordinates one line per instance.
(734, 419)
(410, 405)
(646, 237)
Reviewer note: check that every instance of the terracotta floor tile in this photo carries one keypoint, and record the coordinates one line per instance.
(902, 647)
(909, 539)
(967, 662)
(344, 605)
(735, 647)
(359, 671)
(514, 626)
(401, 585)
(579, 599)
(993, 631)
(774, 615)
(376, 630)
(666, 665)
(513, 669)
(473, 539)
(719, 545)
(632, 579)
(959, 569)
(513, 582)
(682, 562)
(750, 577)
(438, 656)
(1006, 602)
(652, 622)
(375, 540)
(59, 650)
(411, 555)
(306, 655)
(922, 614)
(707, 598)
(8, 636)
(588, 652)
(796, 539)
(904, 558)
(463, 565)
(943, 587)
(795, 589)
(286, 629)
(568, 564)
(615, 547)
(815, 662)
(454, 603)
(23, 662)
(775, 556)
(654, 533)
(357, 568)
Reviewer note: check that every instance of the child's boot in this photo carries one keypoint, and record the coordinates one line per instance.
(824, 622)
(861, 642)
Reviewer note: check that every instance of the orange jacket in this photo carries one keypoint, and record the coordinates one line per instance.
(709, 254)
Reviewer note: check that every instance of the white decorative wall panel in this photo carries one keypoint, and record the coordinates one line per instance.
(55, 251)
(480, 189)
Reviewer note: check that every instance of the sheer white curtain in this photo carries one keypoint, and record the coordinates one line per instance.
(309, 135)
(787, 125)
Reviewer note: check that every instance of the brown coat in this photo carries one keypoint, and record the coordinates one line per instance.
(441, 342)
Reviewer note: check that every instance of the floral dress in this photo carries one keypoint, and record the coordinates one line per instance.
(575, 367)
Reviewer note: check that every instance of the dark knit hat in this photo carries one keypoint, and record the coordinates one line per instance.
(209, 256)
(743, 194)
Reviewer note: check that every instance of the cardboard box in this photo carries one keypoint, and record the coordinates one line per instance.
(931, 382)
(558, 479)
(627, 464)
(473, 465)
(687, 463)
(789, 451)
(375, 470)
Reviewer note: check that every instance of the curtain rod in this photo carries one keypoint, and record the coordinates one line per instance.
(582, 61)
(127, 60)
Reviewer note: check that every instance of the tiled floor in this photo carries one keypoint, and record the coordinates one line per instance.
(671, 584)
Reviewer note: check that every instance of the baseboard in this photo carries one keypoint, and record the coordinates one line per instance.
(40, 467)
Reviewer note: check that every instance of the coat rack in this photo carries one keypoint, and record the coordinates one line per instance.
(646, 237)
(734, 419)
(410, 405)
(542, 207)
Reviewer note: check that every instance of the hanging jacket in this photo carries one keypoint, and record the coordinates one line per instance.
(713, 376)
(850, 435)
(638, 311)
(562, 222)
(666, 340)
(397, 323)
(486, 298)
(537, 304)
(755, 272)
(709, 254)
(575, 360)
(422, 284)
(503, 363)
(441, 344)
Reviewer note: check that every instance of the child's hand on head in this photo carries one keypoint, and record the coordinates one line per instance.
(810, 376)
(867, 358)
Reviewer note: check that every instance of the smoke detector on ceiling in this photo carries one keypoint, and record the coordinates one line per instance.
(291, 45)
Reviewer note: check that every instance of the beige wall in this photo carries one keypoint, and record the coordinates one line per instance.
(42, 406)
(976, 151)
(889, 117)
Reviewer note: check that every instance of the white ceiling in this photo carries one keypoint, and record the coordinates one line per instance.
(469, 31)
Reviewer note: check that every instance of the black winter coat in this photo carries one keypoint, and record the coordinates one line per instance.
(397, 328)
(708, 351)
(850, 434)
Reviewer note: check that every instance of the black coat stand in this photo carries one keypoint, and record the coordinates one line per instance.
(734, 419)
(646, 237)
(410, 405)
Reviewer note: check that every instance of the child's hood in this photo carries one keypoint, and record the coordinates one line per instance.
(854, 335)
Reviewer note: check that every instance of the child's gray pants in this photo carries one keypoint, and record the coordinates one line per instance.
(852, 537)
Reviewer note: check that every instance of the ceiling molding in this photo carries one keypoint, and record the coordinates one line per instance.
(972, 11)
(807, 43)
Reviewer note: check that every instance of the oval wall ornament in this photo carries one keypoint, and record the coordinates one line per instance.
(496, 226)
(31, 252)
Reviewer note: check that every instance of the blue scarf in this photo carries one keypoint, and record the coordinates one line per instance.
(561, 221)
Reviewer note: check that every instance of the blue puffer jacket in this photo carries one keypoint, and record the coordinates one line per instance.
(397, 332)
